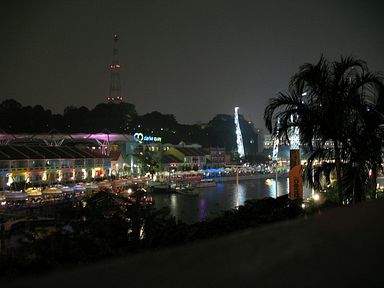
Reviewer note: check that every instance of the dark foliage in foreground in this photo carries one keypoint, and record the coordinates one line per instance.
(108, 229)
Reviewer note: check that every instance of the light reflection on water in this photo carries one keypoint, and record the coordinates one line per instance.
(202, 210)
(173, 204)
(239, 195)
(282, 187)
(212, 201)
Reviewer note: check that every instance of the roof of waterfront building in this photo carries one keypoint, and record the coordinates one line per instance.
(110, 137)
(168, 158)
(191, 151)
(19, 152)
(114, 155)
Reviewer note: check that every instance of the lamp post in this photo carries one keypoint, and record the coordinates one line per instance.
(276, 178)
(276, 151)
(237, 187)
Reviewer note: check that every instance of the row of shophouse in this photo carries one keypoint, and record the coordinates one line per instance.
(170, 157)
(41, 164)
(38, 165)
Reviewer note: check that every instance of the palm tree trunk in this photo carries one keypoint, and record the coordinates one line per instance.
(373, 182)
(338, 172)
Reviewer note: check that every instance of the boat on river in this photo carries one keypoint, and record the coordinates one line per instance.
(15, 195)
(187, 191)
(205, 183)
(160, 187)
(105, 184)
(2, 198)
(34, 193)
(52, 191)
(184, 189)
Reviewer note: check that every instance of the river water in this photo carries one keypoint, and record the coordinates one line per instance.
(212, 201)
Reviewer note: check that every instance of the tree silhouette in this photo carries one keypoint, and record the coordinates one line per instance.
(335, 106)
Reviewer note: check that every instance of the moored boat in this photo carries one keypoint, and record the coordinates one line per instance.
(187, 191)
(52, 191)
(206, 182)
(104, 184)
(161, 187)
(67, 189)
(15, 195)
(79, 187)
(91, 186)
(34, 193)
(120, 183)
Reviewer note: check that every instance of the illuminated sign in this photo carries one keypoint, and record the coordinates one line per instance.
(140, 137)
(295, 178)
(295, 183)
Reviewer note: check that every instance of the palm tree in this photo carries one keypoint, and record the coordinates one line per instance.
(149, 161)
(364, 149)
(333, 105)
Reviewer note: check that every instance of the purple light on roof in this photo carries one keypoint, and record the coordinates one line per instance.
(105, 137)
(97, 136)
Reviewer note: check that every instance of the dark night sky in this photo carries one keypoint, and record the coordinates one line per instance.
(193, 59)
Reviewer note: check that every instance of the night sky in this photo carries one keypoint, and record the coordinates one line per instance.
(193, 59)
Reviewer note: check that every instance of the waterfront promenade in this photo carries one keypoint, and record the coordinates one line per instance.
(336, 248)
(242, 177)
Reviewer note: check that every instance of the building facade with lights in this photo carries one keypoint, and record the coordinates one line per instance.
(187, 157)
(45, 165)
(111, 155)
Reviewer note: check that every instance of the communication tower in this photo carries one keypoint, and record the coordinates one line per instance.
(114, 86)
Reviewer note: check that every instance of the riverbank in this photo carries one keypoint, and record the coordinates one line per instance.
(249, 177)
(326, 249)
(103, 235)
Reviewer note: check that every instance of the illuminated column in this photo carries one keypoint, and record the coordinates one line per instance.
(275, 153)
(131, 165)
(239, 137)
(295, 178)
(276, 143)
(10, 179)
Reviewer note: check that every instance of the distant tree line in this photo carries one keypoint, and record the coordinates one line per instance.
(116, 118)
(123, 118)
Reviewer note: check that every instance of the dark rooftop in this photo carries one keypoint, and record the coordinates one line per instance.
(168, 158)
(21, 152)
(191, 151)
(114, 155)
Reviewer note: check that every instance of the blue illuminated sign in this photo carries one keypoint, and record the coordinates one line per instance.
(140, 137)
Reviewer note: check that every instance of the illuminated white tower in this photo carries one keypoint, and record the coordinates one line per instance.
(276, 143)
(294, 136)
(239, 137)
